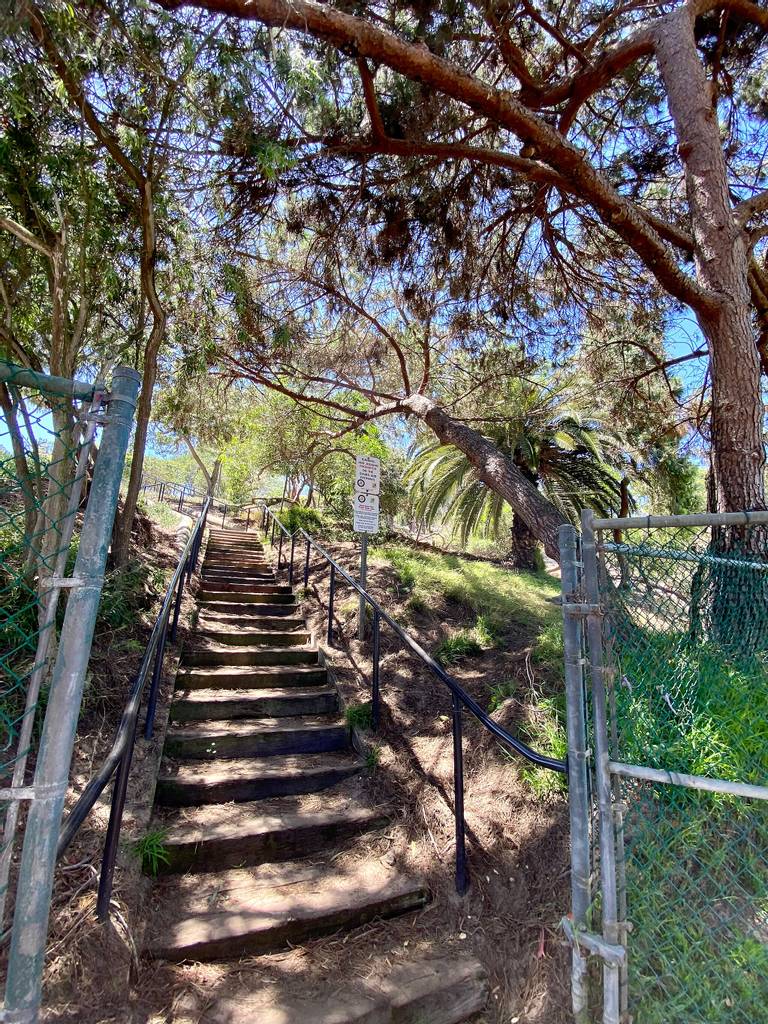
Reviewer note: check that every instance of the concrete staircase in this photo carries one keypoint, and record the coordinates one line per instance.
(259, 792)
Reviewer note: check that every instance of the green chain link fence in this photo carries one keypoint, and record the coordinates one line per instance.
(57, 503)
(684, 615)
(45, 441)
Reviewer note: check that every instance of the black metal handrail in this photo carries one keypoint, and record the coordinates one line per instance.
(118, 761)
(460, 699)
(172, 493)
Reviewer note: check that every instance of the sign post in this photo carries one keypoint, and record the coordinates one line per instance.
(366, 513)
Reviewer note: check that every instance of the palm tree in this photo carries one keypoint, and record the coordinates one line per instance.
(571, 456)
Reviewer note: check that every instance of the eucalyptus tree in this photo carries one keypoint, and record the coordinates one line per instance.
(126, 73)
(614, 147)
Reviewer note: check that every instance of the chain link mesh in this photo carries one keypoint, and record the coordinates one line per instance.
(44, 442)
(686, 643)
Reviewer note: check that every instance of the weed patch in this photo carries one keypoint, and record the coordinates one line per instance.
(151, 851)
(359, 715)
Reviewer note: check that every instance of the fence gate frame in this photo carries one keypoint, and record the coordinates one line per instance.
(113, 410)
(595, 798)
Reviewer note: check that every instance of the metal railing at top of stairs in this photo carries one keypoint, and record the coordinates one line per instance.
(460, 699)
(117, 763)
(175, 494)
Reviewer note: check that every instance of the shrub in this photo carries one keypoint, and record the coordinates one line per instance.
(298, 517)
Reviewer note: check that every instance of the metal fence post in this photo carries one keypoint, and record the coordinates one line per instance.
(462, 875)
(38, 858)
(157, 672)
(609, 903)
(290, 564)
(177, 608)
(578, 783)
(306, 568)
(331, 592)
(375, 657)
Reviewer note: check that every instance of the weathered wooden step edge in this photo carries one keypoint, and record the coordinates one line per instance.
(448, 990)
(257, 838)
(243, 779)
(251, 637)
(258, 737)
(255, 596)
(294, 903)
(255, 666)
(231, 705)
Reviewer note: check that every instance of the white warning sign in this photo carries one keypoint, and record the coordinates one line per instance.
(367, 474)
(367, 488)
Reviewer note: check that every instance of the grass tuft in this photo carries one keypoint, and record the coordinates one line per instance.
(359, 715)
(151, 850)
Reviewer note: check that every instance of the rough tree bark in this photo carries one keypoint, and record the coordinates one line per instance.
(722, 266)
(523, 546)
(494, 469)
(122, 536)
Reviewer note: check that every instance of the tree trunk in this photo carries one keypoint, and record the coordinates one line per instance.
(122, 539)
(721, 266)
(495, 470)
(524, 548)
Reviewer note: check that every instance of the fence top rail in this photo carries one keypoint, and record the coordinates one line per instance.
(126, 727)
(542, 760)
(698, 519)
(13, 374)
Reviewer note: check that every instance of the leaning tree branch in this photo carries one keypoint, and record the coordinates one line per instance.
(369, 41)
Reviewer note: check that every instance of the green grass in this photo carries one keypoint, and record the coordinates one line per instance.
(500, 692)
(151, 850)
(359, 715)
(161, 514)
(545, 731)
(373, 759)
(696, 863)
(457, 646)
(502, 600)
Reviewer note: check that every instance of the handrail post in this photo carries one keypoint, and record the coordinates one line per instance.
(223, 515)
(156, 674)
(306, 568)
(375, 701)
(272, 535)
(280, 553)
(331, 592)
(462, 876)
(248, 520)
(290, 566)
(177, 607)
(117, 806)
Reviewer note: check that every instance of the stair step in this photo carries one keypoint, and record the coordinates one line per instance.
(250, 677)
(258, 737)
(252, 637)
(280, 702)
(214, 837)
(266, 908)
(279, 622)
(235, 601)
(254, 612)
(260, 586)
(181, 784)
(424, 989)
(231, 575)
(217, 655)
